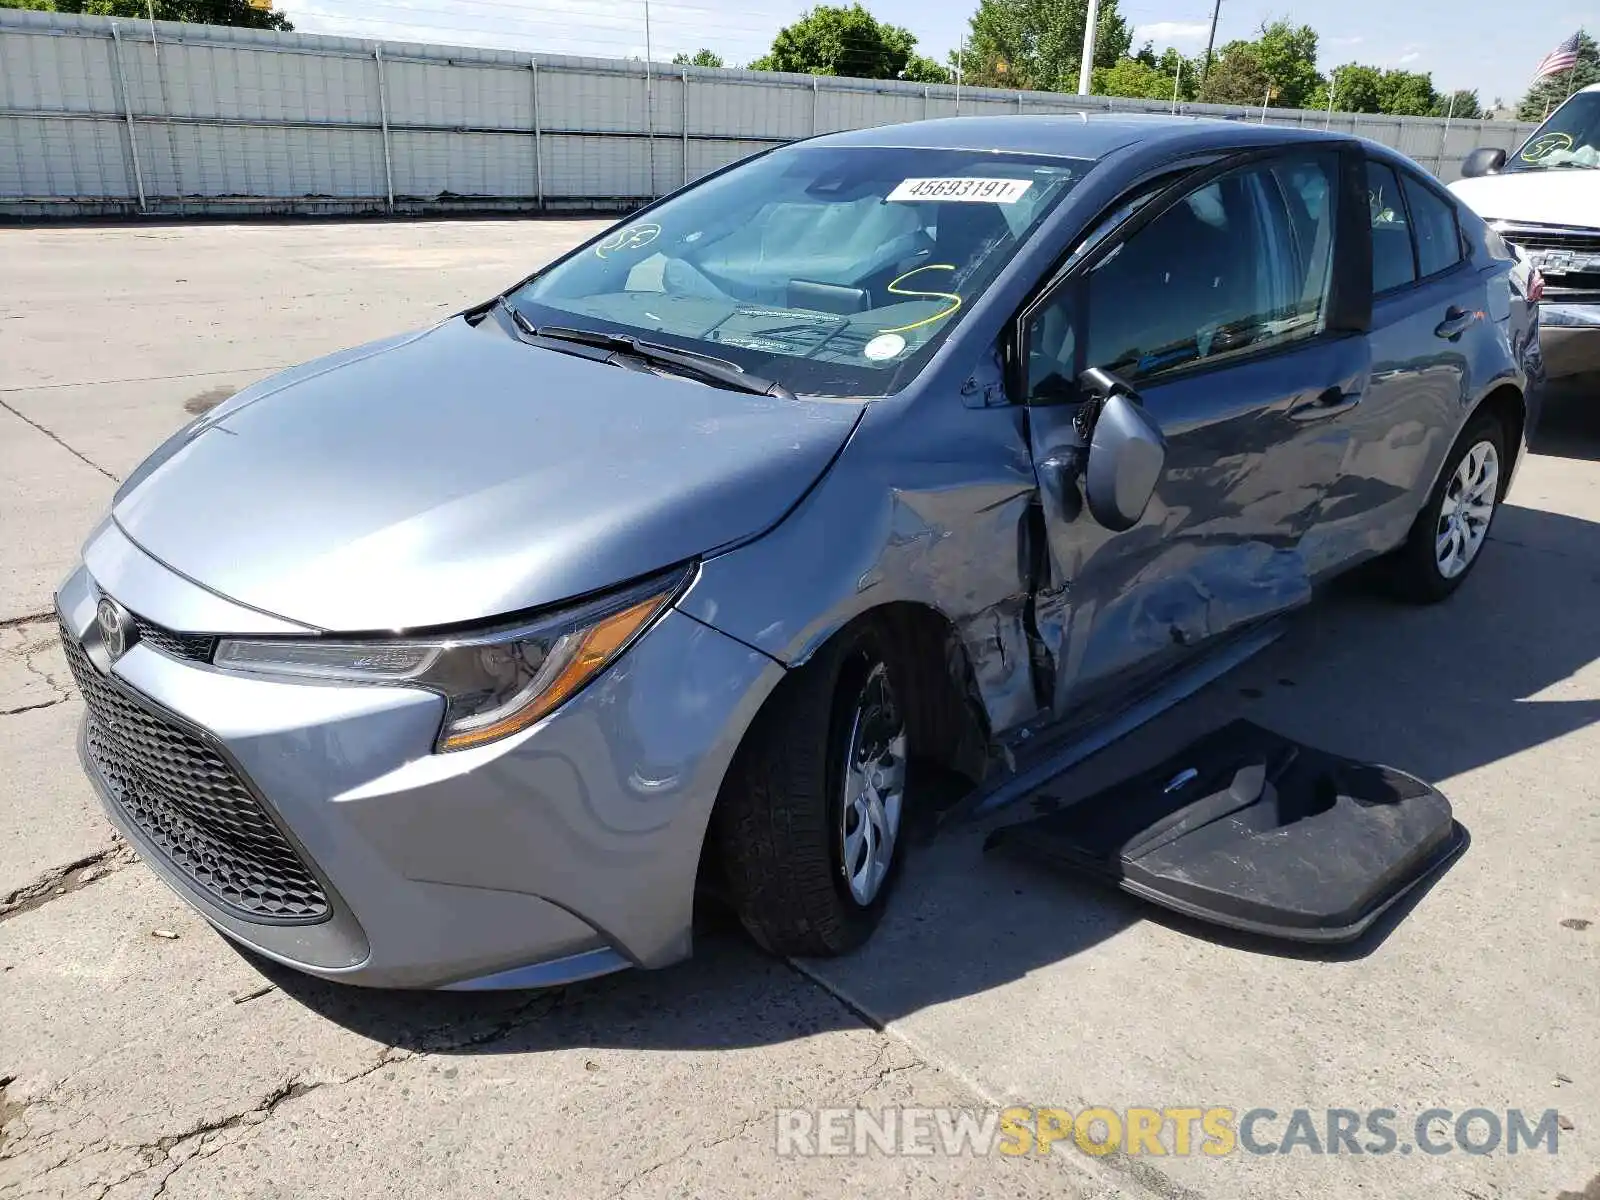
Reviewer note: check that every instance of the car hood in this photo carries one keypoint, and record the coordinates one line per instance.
(1548, 197)
(460, 474)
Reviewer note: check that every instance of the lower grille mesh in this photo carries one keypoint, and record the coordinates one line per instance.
(182, 795)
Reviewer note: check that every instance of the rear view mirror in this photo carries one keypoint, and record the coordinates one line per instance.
(1482, 161)
(1126, 456)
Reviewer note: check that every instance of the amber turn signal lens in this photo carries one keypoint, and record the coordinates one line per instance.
(585, 655)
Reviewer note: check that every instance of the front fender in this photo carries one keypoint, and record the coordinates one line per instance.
(928, 504)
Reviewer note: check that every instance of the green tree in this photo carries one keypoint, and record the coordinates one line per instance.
(1548, 93)
(1467, 106)
(700, 58)
(1237, 76)
(1356, 89)
(201, 12)
(1185, 70)
(1288, 56)
(922, 69)
(1282, 59)
(1038, 43)
(1364, 89)
(840, 41)
(1133, 77)
(1408, 93)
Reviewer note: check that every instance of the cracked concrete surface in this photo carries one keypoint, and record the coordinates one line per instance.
(137, 1075)
(49, 819)
(135, 1066)
(33, 673)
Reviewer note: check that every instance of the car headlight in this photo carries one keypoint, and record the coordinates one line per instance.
(495, 682)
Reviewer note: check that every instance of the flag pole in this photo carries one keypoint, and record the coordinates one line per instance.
(1572, 75)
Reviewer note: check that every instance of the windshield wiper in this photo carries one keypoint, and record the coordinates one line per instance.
(717, 370)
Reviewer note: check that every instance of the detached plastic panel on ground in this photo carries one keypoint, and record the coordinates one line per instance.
(1251, 830)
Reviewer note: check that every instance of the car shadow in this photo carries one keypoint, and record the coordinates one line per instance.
(1436, 691)
(1569, 423)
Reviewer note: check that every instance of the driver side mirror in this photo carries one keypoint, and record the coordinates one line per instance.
(1482, 161)
(1126, 453)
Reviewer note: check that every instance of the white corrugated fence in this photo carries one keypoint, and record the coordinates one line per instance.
(100, 116)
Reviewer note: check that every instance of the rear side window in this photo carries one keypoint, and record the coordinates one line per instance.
(1393, 264)
(1433, 220)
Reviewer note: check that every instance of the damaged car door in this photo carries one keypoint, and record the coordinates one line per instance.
(1212, 304)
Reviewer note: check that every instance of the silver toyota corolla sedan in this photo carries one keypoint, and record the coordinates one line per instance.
(459, 659)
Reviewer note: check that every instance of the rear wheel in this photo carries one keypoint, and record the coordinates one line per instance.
(1448, 536)
(810, 825)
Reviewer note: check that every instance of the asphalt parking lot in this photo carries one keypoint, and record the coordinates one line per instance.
(141, 1055)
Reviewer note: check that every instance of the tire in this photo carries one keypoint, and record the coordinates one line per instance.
(782, 822)
(1424, 572)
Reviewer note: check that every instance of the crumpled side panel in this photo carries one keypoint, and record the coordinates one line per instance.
(1222, 589)
(996, 645)
(930, 508)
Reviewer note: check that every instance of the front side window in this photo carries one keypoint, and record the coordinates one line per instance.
(1433, 221)
(1239, 265)
(832, 270)
(1393, 264)
(1569, 139)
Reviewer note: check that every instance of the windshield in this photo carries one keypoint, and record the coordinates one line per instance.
(833, 271)
(1570, 138)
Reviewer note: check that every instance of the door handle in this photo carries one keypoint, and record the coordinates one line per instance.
(1456, 322)
(1331, 403)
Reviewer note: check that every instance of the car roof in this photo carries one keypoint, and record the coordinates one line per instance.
(1090, 136)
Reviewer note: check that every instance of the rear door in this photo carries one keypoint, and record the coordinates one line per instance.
(1214, 302)
(1426, 300)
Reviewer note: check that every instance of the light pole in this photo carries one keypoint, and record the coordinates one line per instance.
(1086, 66)
(649, 101)
(1205, 63)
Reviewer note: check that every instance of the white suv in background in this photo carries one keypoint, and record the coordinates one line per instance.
(1545, 199)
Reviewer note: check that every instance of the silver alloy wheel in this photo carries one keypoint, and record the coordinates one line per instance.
(874, 787)
(1468, 506)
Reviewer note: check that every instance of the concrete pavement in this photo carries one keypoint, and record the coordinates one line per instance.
(136, 1063)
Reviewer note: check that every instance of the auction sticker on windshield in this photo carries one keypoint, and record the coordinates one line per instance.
(961, 187)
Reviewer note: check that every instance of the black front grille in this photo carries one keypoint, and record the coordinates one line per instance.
(196, 647)
(1572, 289)
(1552, 237)
(190, 802)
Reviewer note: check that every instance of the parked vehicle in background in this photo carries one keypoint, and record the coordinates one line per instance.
(1545, 199)
(457, 659)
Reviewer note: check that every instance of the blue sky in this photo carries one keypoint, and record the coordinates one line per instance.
(1485, 44)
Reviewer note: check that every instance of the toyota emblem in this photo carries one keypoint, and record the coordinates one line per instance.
(114, 625)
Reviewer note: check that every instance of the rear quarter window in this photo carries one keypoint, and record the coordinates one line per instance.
(1434, 225)
(1393, 264)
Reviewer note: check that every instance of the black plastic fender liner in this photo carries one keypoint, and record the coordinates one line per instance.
(1248, 829)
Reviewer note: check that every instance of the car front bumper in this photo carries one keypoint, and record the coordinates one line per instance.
(1569, 335)
(568, 850)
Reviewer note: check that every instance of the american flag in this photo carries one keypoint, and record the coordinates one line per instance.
(1563, 58)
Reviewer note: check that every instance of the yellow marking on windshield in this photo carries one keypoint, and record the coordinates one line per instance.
(1546, 144)
(894, 288)
(635, 238)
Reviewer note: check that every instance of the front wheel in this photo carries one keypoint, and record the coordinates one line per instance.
(1448, 536)
(810, 822)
